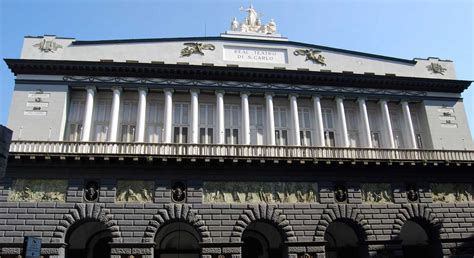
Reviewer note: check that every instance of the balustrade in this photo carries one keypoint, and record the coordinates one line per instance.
(235, 151)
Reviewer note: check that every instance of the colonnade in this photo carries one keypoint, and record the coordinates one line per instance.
(245, 116)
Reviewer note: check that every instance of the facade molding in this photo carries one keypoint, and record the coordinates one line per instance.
(217, 73)
(341, 212)
(176, 213)
(410, 211)
(264, 213)
(86, 212)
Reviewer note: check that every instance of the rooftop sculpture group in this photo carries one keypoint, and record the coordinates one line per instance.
(253, 23)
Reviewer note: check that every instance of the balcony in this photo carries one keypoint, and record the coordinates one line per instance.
(234, 152)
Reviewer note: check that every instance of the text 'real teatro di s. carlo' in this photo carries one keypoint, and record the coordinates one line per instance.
(241, 145)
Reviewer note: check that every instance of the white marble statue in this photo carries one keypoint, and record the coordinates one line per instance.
(252, 16)
(234, 26)
(253, 23)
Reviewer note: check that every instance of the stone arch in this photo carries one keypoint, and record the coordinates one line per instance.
(412, 211)
(343, 212)
(175, 212)
(263, 212)
(86, 212)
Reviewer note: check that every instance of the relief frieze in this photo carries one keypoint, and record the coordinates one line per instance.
(244, 85)
(260, 192)
(376, 193)
(38, 190)
(451, 193)
(134, 191)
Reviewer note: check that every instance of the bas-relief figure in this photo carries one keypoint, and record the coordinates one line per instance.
(311, 55)
(134, 191)
(376, 193)
(451, 193)
(196, 48)
(260, 192)
(38, 190)
(47, 46)
(436, 68)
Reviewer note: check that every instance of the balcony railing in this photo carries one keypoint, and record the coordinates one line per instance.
(235, 151)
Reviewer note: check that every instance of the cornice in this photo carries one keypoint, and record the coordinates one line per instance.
(240, 74)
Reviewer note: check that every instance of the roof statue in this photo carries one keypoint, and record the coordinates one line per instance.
(253, 23)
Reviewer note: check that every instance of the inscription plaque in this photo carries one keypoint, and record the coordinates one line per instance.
(255, 55)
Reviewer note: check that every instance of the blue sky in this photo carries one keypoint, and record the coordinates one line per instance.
(398, 28)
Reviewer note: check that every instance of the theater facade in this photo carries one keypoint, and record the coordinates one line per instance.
(244, 145)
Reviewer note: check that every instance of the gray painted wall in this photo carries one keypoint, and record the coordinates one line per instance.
(28, 124)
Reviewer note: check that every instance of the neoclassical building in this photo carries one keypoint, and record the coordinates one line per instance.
(242, 145)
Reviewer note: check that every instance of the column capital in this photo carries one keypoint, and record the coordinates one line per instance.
(404, 102)
(316, 96)
(339, 97)
(291, 95)
(269, 94)
(195, 91)
(359, 99)
(382, 101)
(143, 89)
(91, 88)
(246, 93)
(116, 88)
(168, 90)
(219, 92)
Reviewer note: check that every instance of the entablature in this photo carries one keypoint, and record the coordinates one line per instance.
(131, 73)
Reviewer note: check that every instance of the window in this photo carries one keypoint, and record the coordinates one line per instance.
(102, 120)
(375, 139)
(76, 116)
(206, 123)
(232, 123)
(154, 120)
(417, 130)
(281, 126)
(181, 123)
(129, 121)
(256, 124)
(352, 129)
(304, 118)
(396, 129)
(374, 123)
(328, 124)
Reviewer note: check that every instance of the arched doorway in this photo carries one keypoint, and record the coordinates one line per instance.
(419, 240)
(343, 241)
(262, 240)
(88, 239)
(177, 240)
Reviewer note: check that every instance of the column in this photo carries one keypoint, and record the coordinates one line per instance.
(365, 122)
(141, 123)
(245, 118)
(220, 117)
(295, 119)
(168, 115)
(87, 124)
(342, 119)
(409, 124)
(319, 120)
(194, 116)
(270, 119)
(114, 114)
(387, 122)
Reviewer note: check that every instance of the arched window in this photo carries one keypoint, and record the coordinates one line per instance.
(88, 239)
(177, 239)
(342, 241)
(262, 240)
(419, 239)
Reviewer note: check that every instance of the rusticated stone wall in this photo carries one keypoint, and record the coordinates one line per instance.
(134, 223)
